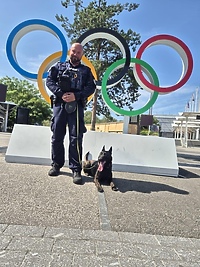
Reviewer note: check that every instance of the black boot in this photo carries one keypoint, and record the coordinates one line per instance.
(55, 170)
(77, 179)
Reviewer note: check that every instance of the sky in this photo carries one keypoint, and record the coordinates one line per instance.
(179, 18)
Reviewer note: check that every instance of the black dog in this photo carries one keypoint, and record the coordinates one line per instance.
(101, 169)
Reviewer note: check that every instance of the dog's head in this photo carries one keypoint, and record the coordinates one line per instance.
(104, 159)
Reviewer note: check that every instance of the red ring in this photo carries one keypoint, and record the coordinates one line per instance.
(150, 42)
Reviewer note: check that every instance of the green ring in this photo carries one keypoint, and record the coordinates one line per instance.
(118, 110)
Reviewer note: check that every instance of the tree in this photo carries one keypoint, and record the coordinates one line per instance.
(25, 94)
(88, 117)
(108, 119)
(102, 53)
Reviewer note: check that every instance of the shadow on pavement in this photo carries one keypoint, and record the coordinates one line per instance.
(146, 187)
(188, 156)
(3, 149)
(85, 179)
(187, 174)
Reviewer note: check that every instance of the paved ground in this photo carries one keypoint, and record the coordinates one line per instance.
(150, 221)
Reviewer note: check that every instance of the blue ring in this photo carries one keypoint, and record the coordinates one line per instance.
(16, 30)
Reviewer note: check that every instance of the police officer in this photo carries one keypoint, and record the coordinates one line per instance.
(71, 84)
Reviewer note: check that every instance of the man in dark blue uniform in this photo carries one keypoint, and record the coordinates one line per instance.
(71, 84)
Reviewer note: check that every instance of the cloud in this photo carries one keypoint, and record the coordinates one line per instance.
(31, 64)
(154, 31)
(34, 63)
(174, 102)
(170, 103)
(2, 51)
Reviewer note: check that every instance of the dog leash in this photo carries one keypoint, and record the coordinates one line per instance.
(77, 144)
(90, 168)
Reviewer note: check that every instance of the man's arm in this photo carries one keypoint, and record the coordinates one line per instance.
(52, 82)
(89, 86)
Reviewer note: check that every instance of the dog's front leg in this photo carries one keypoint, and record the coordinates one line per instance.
(96, 181)
(113, 186)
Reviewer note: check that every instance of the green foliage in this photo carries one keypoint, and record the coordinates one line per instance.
(25, 94)
(147, 132)
(108, 119)
(102, 52)
(155, 121)
(88, 118)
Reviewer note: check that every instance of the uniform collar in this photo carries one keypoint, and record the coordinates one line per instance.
(73, 65)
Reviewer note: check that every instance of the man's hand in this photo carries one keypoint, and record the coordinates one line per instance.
(68, 97)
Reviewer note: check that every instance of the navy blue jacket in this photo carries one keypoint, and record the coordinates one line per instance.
(88, 84)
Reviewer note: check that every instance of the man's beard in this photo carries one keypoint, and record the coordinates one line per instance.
(74, 60)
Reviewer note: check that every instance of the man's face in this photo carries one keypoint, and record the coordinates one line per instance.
(76, 53)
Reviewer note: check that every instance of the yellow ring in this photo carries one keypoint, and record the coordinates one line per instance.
(47, 63)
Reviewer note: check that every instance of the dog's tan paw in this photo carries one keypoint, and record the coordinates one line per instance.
(98, 186)
(100, 189)
(113, 187)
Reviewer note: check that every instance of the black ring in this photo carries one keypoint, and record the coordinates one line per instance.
(124, 70)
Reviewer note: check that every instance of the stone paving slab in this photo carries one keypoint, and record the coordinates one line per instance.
(21, 245)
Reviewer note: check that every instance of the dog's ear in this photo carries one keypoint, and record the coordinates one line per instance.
(110, 149)
(103, 149)
(86, 156)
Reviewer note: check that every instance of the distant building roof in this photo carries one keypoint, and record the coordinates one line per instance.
(165, 122)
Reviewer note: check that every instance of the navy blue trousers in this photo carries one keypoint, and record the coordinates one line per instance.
(76, 127)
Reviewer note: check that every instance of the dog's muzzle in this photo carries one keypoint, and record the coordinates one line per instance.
(101, 165)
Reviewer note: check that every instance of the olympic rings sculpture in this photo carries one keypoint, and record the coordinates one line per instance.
(137, 64)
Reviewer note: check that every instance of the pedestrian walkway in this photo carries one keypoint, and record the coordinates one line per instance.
(46, 246)
(50, 222)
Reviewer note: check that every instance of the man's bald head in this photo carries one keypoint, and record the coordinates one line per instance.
(76, 53)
